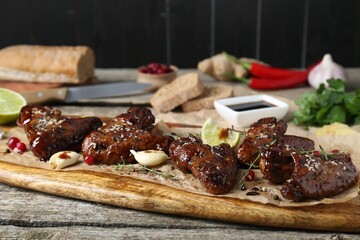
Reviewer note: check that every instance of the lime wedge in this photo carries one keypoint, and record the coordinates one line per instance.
(10, 105)
(214, 135)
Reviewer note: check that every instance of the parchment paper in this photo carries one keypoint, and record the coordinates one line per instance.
(269, 193)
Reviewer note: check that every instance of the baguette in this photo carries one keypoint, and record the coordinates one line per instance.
(47, 64)
(177, 92)
(206, 100)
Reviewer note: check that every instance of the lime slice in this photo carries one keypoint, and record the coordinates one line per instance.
(10, 105)
(214, 135)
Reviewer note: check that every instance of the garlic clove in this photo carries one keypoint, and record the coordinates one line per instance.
(150, 157)
(2, 134)
(325, 70)
(63, 159)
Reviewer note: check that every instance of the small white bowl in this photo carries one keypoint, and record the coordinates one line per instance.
(256, 109)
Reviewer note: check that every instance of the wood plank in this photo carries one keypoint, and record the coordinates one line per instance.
(334, 29)
(143, 32)
(90, 232)
(20, 207)
(281, 32)
(137, 194)
(235, 27)
(61, 22)
(84, 23)
(15, 23)
(129, 33)
(190, 32)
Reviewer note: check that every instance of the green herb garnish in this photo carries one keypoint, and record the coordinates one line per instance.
(143, 169)
(328, 105)
(247, 171)
(323, 153)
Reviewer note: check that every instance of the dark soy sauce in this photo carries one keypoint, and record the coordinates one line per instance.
(250, 106)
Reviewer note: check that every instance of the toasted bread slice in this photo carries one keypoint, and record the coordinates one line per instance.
(180, 90)
(206, 100)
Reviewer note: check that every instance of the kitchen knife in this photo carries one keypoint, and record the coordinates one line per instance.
(72, 94)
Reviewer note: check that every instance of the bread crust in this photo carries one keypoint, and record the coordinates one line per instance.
(206, 100)
(180, 90)
(52, 64)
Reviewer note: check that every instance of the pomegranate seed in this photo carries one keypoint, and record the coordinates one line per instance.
(12, 142)
(167, 70)
(250, 176)
(335, 151)
(89, 160)
(155, 68)
(143, 69)
(21, 146)
(160, 71)
(154, 64)
(316, 153)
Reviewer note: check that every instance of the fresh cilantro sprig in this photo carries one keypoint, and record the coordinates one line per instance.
(328, 105)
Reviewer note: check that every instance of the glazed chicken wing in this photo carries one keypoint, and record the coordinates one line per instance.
(111, 144)
(277, 164)
(318, 177)
(50, 132)
(215, 167)
(258, 137)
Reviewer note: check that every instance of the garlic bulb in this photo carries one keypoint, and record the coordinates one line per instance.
(325, 70)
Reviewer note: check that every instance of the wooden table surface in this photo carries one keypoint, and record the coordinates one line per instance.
(26, 214)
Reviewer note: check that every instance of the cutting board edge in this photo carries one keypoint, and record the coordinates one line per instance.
(133, 193)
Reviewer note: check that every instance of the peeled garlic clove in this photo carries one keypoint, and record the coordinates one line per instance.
(2, 134)
(325, 70)
(63, 159)
(150, 157)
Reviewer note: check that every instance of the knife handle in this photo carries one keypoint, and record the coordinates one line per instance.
(46, 95)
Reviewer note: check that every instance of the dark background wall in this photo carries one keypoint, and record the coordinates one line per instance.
(129, 33)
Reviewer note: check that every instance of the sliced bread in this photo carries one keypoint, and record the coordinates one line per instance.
(206, 100)
(180, 90)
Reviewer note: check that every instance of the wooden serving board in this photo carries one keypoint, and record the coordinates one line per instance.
(137, 194)
(149, 196)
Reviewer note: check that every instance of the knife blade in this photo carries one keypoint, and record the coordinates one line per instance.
(72, 94)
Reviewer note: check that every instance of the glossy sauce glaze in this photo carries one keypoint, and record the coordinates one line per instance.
(250, 106)
(319, 176)
(215, 167)
(49, 132)
(64, 155)
(131, 130)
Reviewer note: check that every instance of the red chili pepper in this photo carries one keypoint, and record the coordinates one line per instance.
(277, 83)
(270, 78)
(263, 71)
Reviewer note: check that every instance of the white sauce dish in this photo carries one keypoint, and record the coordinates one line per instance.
(245, 110)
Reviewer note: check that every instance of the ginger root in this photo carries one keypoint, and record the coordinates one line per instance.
(221, 67)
